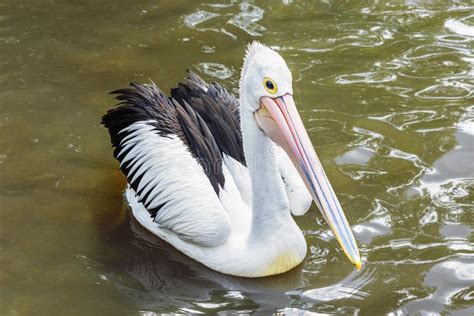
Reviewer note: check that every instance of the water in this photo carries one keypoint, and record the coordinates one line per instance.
(385, 90)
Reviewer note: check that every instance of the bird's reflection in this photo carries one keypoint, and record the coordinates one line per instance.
(160, 277)
(151, 275)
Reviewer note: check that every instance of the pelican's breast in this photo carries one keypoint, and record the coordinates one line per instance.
(283, 262)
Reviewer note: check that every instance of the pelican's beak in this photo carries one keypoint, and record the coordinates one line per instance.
(279, 119)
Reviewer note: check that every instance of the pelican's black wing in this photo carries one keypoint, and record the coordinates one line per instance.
(218, 108)
(161, 145)
(204, 116)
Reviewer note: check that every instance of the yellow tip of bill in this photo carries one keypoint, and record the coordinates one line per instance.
(358, 265)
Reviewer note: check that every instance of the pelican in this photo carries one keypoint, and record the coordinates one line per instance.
(220, 178)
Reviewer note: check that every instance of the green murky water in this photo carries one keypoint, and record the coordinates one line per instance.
(385, 89)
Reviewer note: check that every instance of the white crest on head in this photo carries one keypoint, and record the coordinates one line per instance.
(250, 53)
(262, 62)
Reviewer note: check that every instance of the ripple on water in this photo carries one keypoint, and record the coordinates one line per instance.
(449, 64)
(368, 35)
(438, 67)
(452, 281)
(461, 27)
(247, 17)
(203, 21)
(429, 51)
(451, 182)
(198, 17)
(446, 90)
(208, 49)
(219, 20)
(404, 120)
(453, 39)
(216, 70)
(453, 193)
(431, 216)
(236, 295)
(366, 77)
(331, 36)
(318, 256)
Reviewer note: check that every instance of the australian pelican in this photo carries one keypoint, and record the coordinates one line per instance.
(220, 178)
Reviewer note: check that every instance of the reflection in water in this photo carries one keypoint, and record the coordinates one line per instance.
(157, 276)
(152, 274)
(349, 287)
(450, 184)
(355, 156)
(460, 27)
(453, 283)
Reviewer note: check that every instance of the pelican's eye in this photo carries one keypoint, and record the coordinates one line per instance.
(270, 86)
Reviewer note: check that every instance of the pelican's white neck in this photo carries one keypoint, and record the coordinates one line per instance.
(269, 199)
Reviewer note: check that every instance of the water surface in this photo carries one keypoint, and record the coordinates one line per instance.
(385, 89)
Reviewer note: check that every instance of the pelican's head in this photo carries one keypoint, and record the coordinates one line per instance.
(267, 84)
(264, 74)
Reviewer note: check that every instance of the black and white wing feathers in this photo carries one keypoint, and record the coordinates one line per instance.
(172, 157)
(218, 108)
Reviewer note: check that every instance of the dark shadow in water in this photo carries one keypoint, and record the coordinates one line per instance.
(155, 276)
